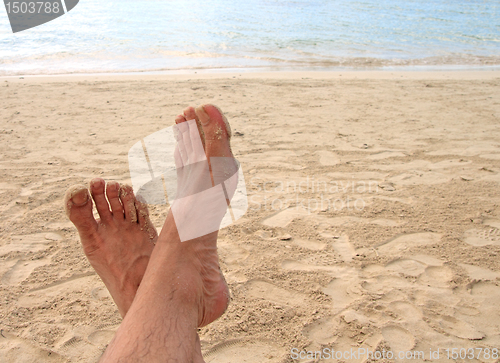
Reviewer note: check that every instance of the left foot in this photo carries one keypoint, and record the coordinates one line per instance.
(119, 244)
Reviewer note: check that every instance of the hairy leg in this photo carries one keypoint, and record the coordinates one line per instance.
(183, 287)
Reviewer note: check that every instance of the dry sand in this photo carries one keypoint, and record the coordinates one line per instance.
(403, 254)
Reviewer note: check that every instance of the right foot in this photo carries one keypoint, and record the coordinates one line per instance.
(199, 255)
(119, 244)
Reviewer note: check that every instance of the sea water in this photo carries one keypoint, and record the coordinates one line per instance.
(171, 35)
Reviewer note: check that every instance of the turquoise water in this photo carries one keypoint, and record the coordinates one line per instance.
(162, 35)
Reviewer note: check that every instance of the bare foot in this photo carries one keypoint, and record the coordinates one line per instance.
(183, 287)
(201, 252)
(119, 244)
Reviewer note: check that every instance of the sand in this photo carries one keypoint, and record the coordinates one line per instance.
(373, 218)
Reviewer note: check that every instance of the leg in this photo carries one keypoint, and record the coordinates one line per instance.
(119, 244)
(183, 287)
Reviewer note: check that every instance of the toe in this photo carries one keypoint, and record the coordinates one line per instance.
(144, 221)
(101, 204)
(216, 130)
(190, 114)
(208, 113)
(128, 200)
(180, 119)
(78, 206)
(218, 150)
(113, 194)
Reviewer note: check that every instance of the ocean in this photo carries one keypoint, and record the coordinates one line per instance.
(176, 35)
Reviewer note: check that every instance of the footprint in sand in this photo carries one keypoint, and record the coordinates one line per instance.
(235, 277)
(482, 311)
(344, 248)
(231, 253)
(259, 289)
(399, 339)
(21, 270)
(322, 331)
(351, 316)
(245, 351)
(343, 293)
(77, 346)
(384, 284)
(13, 349)
(398, 244)
(455, 327)
(495, 223)
(101, 338)
(486, 290)
(406, 267)
(428, 297)
(29, 243)
(347, 344)
(479, 273)
(436, 276)
(481, 237)
(100, 293)
(74, 285)
(407, 311)
(233, 257)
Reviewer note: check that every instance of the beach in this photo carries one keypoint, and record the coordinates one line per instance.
(373, 221)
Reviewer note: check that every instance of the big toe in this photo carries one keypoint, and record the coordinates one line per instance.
(78, 207)
(216, 130)
(217, 144)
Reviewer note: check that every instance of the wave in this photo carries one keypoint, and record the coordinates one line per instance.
(184, 61)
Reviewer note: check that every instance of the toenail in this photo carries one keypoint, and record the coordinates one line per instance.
(96, 183)
(80, 198)
(203, 115)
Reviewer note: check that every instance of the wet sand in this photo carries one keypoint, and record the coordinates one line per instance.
(373, 219)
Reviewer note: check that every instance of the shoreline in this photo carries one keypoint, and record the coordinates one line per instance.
(231, 73)
(373, 65)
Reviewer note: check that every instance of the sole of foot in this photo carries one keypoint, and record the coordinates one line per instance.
(118, 244)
